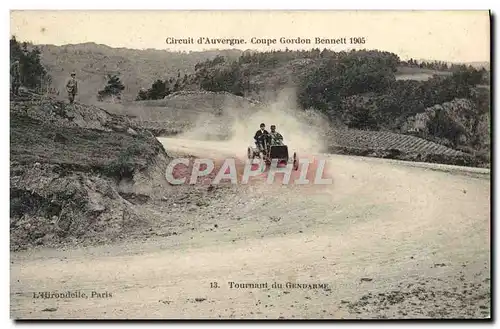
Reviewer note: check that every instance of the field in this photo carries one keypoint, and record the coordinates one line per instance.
(389, 141)
(419, 74)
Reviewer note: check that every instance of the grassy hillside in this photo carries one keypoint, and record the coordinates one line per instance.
(137, 68)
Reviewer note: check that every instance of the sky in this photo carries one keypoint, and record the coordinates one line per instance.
(454, 36)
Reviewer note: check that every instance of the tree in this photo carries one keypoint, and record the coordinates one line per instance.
(217, 77)
(142, 95)
(159, 89)
(177, 86)
(114, 88)
(361, 118)
(354, 73)
(33, 74)
(468, 76)
(442, 126)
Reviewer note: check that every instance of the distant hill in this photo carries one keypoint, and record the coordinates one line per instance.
(137, 68)
(476, 64)
(479, 65)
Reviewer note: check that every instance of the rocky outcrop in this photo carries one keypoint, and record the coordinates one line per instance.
(70, 166)
(50, 206)
(62, 114)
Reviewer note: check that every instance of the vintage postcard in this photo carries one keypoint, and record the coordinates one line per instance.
(250, 165)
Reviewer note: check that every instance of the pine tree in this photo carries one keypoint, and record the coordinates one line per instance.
(142, 95)
(114, 88)
(159, 89)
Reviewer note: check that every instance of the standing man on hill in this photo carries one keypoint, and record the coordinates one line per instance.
(72, 87)
(15, 76)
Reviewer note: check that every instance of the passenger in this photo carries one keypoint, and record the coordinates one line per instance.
(276, 137)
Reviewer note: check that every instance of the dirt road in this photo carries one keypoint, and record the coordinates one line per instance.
(385, 239)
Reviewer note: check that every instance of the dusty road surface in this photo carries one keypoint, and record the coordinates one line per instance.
(386, 239)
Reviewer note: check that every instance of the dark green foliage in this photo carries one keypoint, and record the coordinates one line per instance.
(113, 88)
(468, 76)
(362, 118)
(391, 101)
(33, 74)
(220, 75)
(142, 95)
(226, 79)
(345, 74)
(161, 88)
(358, 87)
(441, 126)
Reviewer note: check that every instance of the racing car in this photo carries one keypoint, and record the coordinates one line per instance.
(271, 152)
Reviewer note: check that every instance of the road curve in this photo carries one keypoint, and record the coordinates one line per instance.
(387, 239)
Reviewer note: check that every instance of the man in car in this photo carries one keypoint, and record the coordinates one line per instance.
(260, 135)
(276, 137)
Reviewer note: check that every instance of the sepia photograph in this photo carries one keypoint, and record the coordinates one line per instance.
(250, 165)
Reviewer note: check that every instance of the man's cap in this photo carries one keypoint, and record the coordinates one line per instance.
(73, 73)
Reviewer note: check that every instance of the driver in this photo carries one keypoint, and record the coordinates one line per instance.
(261, 133)
(276, 137)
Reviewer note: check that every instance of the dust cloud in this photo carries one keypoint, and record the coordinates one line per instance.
(303, 131)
